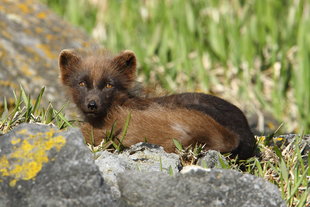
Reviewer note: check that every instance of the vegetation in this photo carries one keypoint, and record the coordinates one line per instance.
(281, 161)
(28, 111)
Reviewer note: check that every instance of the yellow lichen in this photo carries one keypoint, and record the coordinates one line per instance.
(26, 70)
(24, 8)
(50, 37)
(29, 155)
(4, 164)
(47, 51)
(41, 15)
(15, 141)
(38, 30)
(8, 84)
(6, 34)
(23, 131)
(13, 183)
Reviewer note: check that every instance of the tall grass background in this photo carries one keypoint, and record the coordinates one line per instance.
(254, 53)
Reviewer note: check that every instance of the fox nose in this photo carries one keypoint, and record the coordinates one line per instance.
(92, 105)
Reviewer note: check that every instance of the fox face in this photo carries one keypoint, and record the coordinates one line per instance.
(95, 82)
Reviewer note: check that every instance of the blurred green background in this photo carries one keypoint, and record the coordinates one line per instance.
(254, 53)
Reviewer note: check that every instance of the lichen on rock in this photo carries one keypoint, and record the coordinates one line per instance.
(31, 37)
(29, 154)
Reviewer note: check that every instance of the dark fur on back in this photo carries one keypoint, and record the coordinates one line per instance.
(221, 111)
(102, 86)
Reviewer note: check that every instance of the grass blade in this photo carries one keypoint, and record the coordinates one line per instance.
(126, 127)
(178, 144)
(38, 100)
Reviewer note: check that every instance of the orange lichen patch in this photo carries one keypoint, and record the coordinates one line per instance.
(29, 155)
(41, 15)
(24, 8)
(26, 70)
(4, 165)
(38, 79)
(34, 55)
(15, 141)
(38, 30)
(8, 84)
(85, 44)
(30, 2)
(47, 51)
(22, 132)
(6, 34)
(50, 37)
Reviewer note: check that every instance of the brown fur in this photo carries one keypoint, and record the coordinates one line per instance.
(106, 95)
(159, 125)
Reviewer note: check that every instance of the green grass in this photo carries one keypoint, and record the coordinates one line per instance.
(110, 141)
(255, 53)
(282, 163)
(28, 110)
(286, 165)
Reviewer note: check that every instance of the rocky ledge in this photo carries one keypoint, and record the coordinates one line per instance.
(42, 166)
(31, 38)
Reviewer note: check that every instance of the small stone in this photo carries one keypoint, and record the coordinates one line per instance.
(211, 159)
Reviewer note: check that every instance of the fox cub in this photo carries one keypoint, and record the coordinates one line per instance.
(102, 87)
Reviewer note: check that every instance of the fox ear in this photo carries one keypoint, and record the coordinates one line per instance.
(68, 61)
(126, 63)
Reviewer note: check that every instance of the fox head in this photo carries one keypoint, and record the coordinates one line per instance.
(96, 81)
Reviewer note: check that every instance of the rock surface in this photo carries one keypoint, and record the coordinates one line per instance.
(142, 157)
(41, 166)
(211, 159)
(216, 188)
(31, 38)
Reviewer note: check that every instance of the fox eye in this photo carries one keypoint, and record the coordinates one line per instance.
(108, 85)
(82, 83)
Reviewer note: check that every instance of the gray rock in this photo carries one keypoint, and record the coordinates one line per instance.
(211, 159)
(42, 166)
(217, 187)
(141, 157)
(31, 38)
(148, 157)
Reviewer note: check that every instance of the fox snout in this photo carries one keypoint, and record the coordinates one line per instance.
(92, 105)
